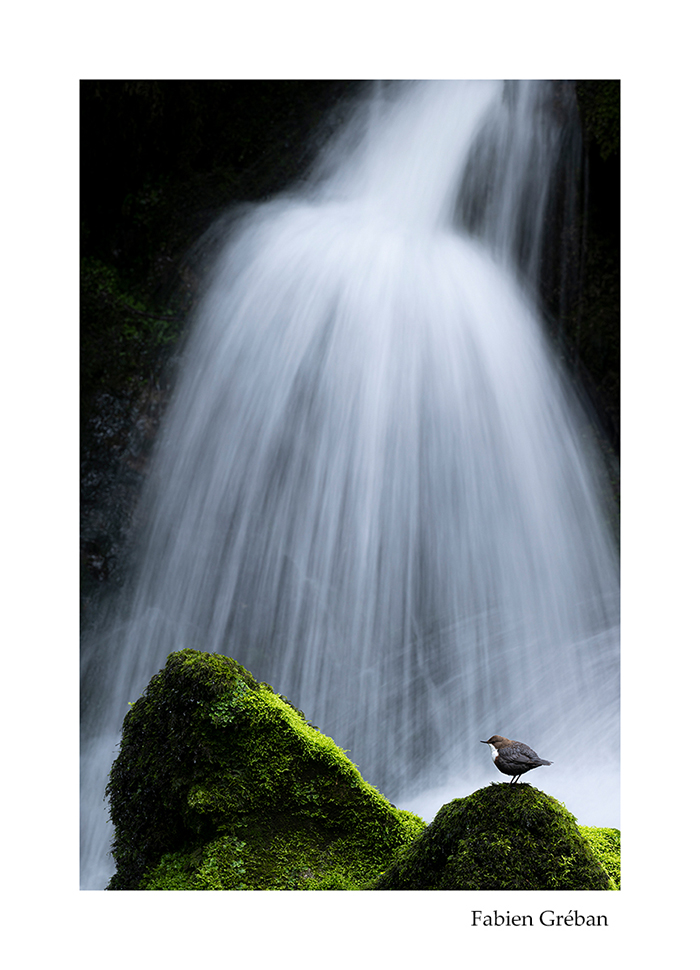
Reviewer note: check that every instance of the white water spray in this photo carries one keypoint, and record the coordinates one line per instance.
(370, 488)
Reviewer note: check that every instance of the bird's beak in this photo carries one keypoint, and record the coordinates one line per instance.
(483, 742)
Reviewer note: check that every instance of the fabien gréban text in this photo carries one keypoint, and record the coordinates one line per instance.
(546, 918)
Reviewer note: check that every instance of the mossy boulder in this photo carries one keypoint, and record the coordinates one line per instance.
(220, 783)
(501, 837)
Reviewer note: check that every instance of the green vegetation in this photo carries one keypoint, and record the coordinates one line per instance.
(606, 846)
(222, 784)
(502, 837)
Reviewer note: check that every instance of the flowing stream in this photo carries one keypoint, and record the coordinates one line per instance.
(373, 487)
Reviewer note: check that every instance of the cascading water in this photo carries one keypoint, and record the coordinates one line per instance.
(370, 488)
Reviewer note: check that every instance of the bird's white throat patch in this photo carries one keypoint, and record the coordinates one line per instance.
(494, 752)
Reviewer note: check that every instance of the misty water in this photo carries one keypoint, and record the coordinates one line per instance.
(374, 487)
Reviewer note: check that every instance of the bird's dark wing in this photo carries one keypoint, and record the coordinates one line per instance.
(523, 754)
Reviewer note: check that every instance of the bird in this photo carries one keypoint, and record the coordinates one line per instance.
(513, 757)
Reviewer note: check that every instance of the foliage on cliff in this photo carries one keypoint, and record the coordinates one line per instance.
(511, 837)
(222, 784)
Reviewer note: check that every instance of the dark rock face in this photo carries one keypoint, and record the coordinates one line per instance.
(501, 837)
(222, 784)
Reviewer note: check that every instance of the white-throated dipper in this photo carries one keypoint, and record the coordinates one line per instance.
(513, 757)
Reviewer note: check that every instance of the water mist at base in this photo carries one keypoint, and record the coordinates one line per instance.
(371, 488)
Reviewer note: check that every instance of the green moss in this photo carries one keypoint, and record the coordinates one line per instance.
(502, 837)
(222, 784)
(606, 847)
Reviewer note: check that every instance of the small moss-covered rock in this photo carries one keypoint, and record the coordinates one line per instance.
(501, 837)
(222, 784)
(606, 847)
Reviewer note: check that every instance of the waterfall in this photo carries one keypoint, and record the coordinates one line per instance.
(372, 487)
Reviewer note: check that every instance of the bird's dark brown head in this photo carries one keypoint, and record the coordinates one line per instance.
(495, 739)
